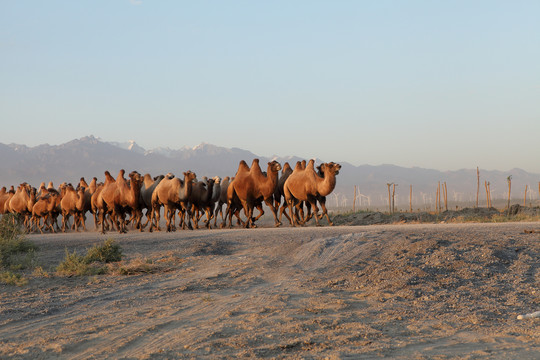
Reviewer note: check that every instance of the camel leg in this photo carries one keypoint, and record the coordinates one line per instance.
(289, 200)
(187, 217)
(261, 213)
(274, 210)
(82, 220)
(216, 212)
(95, 212)
(65, 219)
(167, 214)
(228, 213)
(283, 212)
(102, 219)
(325, 211)
(315, 209)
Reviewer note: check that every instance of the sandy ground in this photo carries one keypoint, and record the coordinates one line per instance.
(398, 291)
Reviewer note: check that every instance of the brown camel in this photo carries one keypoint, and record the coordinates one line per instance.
(147, 189)
(5, 195)
(126, 199)
(224, 184)
(200, 200)
(307, 185)
(86, 198)
(103, 203)
(5, 208)
(278, 194)
(172, 194)
(250, 187)
(119, 197)
(22, 202)
(44, 208)
(72, 204)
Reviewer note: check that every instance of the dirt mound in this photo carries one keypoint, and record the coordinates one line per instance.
(463, 215)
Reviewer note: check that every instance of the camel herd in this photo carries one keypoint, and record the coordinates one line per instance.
(116, 203)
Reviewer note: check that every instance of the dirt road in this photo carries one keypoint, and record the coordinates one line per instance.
(399, 291)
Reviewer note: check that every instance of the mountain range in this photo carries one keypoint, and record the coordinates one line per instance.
(90, 156)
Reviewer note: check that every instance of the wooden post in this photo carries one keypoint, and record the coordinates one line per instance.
(410, 199)
(389, 198)
(477, 184)
(394, 198)
(354, 200)
(445, 197)
(487, 193)
(439, 197)
(509, 179)
(525, 197)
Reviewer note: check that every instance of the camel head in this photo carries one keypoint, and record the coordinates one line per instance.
(135, 177)
(274, 166)
(217, 179)
(331, 168)
(190, 176)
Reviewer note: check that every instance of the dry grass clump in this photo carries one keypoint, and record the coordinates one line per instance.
(144, 265)
(93, 263)
(16, 253)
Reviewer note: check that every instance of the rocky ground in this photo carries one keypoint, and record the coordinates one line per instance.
(400, 291)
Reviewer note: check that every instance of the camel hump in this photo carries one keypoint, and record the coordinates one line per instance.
(286, 166)
(243, 166)
(108, 177)
(299, 165)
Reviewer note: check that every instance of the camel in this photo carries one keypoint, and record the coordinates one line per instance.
(224, 184)
(147, 189)
(127, 199)
(44, 208)
(72, 203)
(23, 201)
(172, 194)
(4, 208)
(5, 195)
(250, 187)
(307, 185)
(103, 201)
(200, 200)
(86, 198)
(94, 200)
(278, 194)
(117, 197)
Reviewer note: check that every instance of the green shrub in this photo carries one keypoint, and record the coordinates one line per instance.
(93, 262)
(10, 278)
(15, 251)
(106, 253)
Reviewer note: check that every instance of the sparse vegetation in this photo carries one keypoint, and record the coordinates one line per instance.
(16, 253)
(106, 253)
(11, 278)
(93, 263)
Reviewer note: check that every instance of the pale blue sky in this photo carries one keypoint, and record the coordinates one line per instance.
(435, 84)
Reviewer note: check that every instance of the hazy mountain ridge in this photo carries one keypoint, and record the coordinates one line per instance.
(90, 156)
